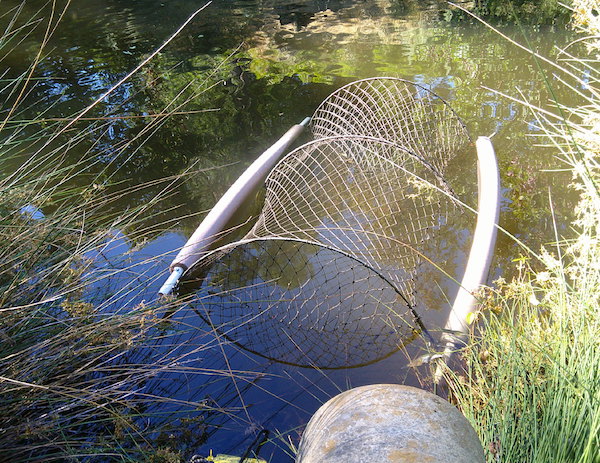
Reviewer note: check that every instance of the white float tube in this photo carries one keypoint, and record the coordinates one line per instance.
(482, 250)
(216, 220)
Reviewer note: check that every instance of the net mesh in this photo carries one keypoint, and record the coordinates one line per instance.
(395, 110)
(287, 300)
(326, 277)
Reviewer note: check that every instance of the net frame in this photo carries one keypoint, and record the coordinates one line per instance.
(380, 105)
(264, 313)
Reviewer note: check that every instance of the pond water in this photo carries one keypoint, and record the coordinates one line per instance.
(247, 70)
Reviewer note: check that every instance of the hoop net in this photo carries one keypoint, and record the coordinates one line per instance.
(326, 277)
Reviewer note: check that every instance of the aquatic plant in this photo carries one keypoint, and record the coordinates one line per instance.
(75, 361)
(531, 383)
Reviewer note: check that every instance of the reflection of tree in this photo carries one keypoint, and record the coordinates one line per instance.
(272, 84)
(535, 12)
(402, 8)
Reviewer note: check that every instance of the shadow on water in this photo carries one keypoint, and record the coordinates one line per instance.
(259, 67)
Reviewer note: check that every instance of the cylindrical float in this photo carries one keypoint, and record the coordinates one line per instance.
(389, 423)
(214, 223)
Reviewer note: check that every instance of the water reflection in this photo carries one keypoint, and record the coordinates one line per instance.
(281, 65)
(305, 305)
(293, 54)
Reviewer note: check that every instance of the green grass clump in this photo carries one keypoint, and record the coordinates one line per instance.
(531, 383)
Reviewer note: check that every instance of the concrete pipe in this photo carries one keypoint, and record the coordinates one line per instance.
(389, 423)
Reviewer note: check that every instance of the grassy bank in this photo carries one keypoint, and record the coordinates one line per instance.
(531, 385)
(73, 369)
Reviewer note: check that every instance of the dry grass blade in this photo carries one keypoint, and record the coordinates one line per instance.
(531, 386)
(86, 373)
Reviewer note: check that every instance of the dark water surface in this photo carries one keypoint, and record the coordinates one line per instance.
(259, 67)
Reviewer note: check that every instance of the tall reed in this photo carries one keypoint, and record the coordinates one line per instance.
(73, 368)
(531, 383)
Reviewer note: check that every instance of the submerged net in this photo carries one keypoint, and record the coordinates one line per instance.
(326, 277)
(289, 300)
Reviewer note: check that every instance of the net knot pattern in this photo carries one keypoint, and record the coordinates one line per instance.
(326, 276)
